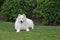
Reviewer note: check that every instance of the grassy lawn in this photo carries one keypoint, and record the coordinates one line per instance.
(7, 32)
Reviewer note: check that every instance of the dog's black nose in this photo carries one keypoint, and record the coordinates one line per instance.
(21, 21)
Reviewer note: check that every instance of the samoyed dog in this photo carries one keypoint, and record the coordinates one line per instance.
(23, 23)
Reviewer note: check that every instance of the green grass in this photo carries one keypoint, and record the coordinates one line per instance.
(7, 32)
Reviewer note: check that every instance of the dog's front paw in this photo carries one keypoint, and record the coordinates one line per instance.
(27, 30)
(32, 27)
(18, 30)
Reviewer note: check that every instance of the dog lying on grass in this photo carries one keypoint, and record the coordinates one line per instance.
(23, 23)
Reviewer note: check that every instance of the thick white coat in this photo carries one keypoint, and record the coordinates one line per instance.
(27, 23)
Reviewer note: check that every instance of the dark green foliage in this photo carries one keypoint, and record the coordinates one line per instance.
(1, 2)
(11, 8)
(48, 11)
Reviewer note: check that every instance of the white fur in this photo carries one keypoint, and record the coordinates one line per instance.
(27, 23)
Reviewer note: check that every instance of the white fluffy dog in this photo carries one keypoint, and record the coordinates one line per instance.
(23, 23)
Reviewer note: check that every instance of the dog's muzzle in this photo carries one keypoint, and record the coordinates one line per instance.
(21, 21)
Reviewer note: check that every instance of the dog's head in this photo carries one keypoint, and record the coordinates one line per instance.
(21, 18)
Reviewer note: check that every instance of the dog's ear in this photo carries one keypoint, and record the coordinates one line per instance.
(24, 15)
(19, 15)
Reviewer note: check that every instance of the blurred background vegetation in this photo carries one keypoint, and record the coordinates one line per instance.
(43, 12)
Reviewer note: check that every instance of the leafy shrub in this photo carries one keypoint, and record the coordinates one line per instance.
(48, 11)
(1, 2)
(11, 8)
